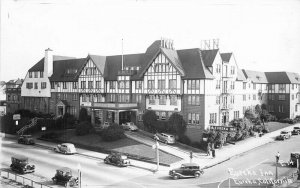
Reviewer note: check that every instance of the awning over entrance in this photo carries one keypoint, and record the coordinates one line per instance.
(115, 106)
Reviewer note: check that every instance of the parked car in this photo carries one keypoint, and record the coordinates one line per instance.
(117, 159)
(20, 164)
(164, 137)
(294, 157)
(26, 139)
(64, 177)
(129, 126)
(65, 148)
(186, 170)
(296, 131)
(284, 135)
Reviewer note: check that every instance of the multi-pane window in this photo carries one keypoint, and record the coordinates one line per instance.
(193, 100)
(162, 100)
(138, 98)
(173, 100)
(193, 118)
(281, 97)
(212, 118)
(90, 71)
(232, 85)
(112, 98)
(123, 98)
(84, 98)
(232, 70)
(254, 86)
(43, 85)
(36, 74)
(232, 99)
(271, 108)
(163, 115)
(172, 84)
(30, 74)
(151, 99)
(98, 97)
(65, 85)
(138, 84)
(73, 110)
(151, 84)
(271, 97)
(121, 84)
(52, 85)
(292, 96)
(65, 96)
(218, 84)
(217, 99)
(244, 85)
(254, 97)
(127, 84)
(193, 84)
(112, 85)
(281, 88)
(280, 108)
(35, 85)
(75, 85)
(98, 84)
(244, 98)
(58, 96)
(75, 97)
(90, 84)
(218, 68)
(83, 86)
(161, 84)
(41, 74)
(272, 87)
(236, 114)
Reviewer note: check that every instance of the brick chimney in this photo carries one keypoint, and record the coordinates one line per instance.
(48, 62)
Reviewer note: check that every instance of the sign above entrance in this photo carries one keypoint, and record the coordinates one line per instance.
(222, 128)
(16, 117)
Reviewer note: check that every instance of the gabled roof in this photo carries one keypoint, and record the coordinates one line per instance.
(99, 62)
(173, 57)
(193, 65)
(255, 76)
(60, 70)
(282, 77)
(39, 66)
(208, 56)
(240, 75)
(226, 56)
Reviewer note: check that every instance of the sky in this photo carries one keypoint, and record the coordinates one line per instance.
(264, 35)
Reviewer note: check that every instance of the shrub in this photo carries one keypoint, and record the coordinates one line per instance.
(265, 130)
(7, 124)
(287, 120)
(149, 120)
(83, 128)
(270, 117)
(160, 126)
(112, 133)
(238, 135)
(176, 124)
(184, 139)
(83, 115)
(69, 120)
(50, 135)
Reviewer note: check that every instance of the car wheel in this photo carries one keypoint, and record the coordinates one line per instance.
(71, 183)
(197, 175)
(166, 141)
(175, 177)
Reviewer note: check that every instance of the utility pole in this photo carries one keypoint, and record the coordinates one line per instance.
(156, 146)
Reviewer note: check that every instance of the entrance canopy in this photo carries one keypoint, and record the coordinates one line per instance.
(115, 106)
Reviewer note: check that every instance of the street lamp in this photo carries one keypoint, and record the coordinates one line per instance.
(156, 146)
(79, 174)
(277, 159)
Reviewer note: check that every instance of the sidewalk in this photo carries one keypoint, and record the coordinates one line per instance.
(223, 154)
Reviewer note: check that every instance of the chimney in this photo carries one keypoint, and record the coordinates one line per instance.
(48, 63)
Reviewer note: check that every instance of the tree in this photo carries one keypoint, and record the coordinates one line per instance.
(83, 128)
(83, 115)
(7, 124)
(220, 138)
(177, 124)
(149, 120)
(258, 109)
(113, 133)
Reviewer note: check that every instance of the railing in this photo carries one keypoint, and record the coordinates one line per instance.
(33, 123)
(21, 180)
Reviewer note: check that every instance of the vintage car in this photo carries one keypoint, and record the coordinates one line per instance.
(26, 139)
(20, 164)
(65, 148)
(294, 157)
(117, 159)
(64, 177)
(130, 126)
(296, 131)
(187, 170)
(284, 135)
(164, 137)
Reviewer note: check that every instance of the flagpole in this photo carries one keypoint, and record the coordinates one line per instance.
(122, 55)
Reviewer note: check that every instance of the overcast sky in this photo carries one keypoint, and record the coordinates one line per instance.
(264, 35)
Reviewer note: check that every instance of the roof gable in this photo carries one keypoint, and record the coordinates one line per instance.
(99, 61)
(226, 56)
(208, 56)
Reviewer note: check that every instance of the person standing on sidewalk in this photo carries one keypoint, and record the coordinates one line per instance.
(213, 151)
(208, 149)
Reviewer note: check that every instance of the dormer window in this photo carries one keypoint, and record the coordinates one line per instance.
(71, 71)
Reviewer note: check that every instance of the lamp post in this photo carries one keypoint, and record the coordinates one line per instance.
(277, 159)
(156, 146)
(79, 174)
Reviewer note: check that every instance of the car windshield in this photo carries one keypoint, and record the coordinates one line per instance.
(284, 132)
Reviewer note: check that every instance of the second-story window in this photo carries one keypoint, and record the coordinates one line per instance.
(162, 100)
(83, 86)
(90, 84)
(75, 97)
(30, 74)
(281, 88)
(98, 84)
(64, 85)
(35, 85)
(41, 74)
(112, 85)
(244, 85)
(281, 97)
(43, 85)
(151, 84)
(173, 100)
(161, 84)
(75, 85)
(36, 74)
(254, 86)
(151, 99)
(138, 85)
(172, 84)
(52, 85)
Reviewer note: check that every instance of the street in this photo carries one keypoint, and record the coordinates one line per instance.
(97, 174)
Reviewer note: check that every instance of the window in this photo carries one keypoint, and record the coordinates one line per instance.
(236, 114)
(58, 96)
(244, 98)
(254, 97)
(83, 86)
(162, 100)
(212, 118)
(75, 97)
(138, 85)
(292, 96)
(121, 84)
(64, 85)
(272, 88)
(271, 97)
(65, 96)
(232, 85)
(281, 88)
(249, 96)
(189, 118)
(280, 108)
(254, 86)
(29, 85)
(36, 74)
(189, 100)
(218, 84)
(194, 100)
(90, 71)
(98, 84)
(30, 74)
(35, 85)
(232, 70)
(281, 97)
(112, 85)
(292, 86)
(161, 84)
(197, 100)
(43, 85)
(197, 119)
(151, 99)
(138, 98)
(172, 84)
(52, 85)
(193, 118)
(112, 98)
(244, 85)
(218, 68)
(75, 85)
(73, 110)
(217, 100)
(151, 84)
(84, 98)
(90, 84)
(232, 99)
(163, 115)
(41, 74)
(271, 108)
(173, 100)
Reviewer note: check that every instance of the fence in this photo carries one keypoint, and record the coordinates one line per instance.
(25, 182)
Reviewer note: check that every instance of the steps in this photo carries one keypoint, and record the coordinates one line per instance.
(32, 123)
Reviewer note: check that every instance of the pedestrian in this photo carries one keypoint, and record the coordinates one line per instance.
(277, 156)
(208, 149)
(213, 152)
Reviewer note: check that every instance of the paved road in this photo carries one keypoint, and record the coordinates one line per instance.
(98, 174)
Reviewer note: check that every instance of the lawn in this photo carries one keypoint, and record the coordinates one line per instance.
(127, 146)
(273, 126)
